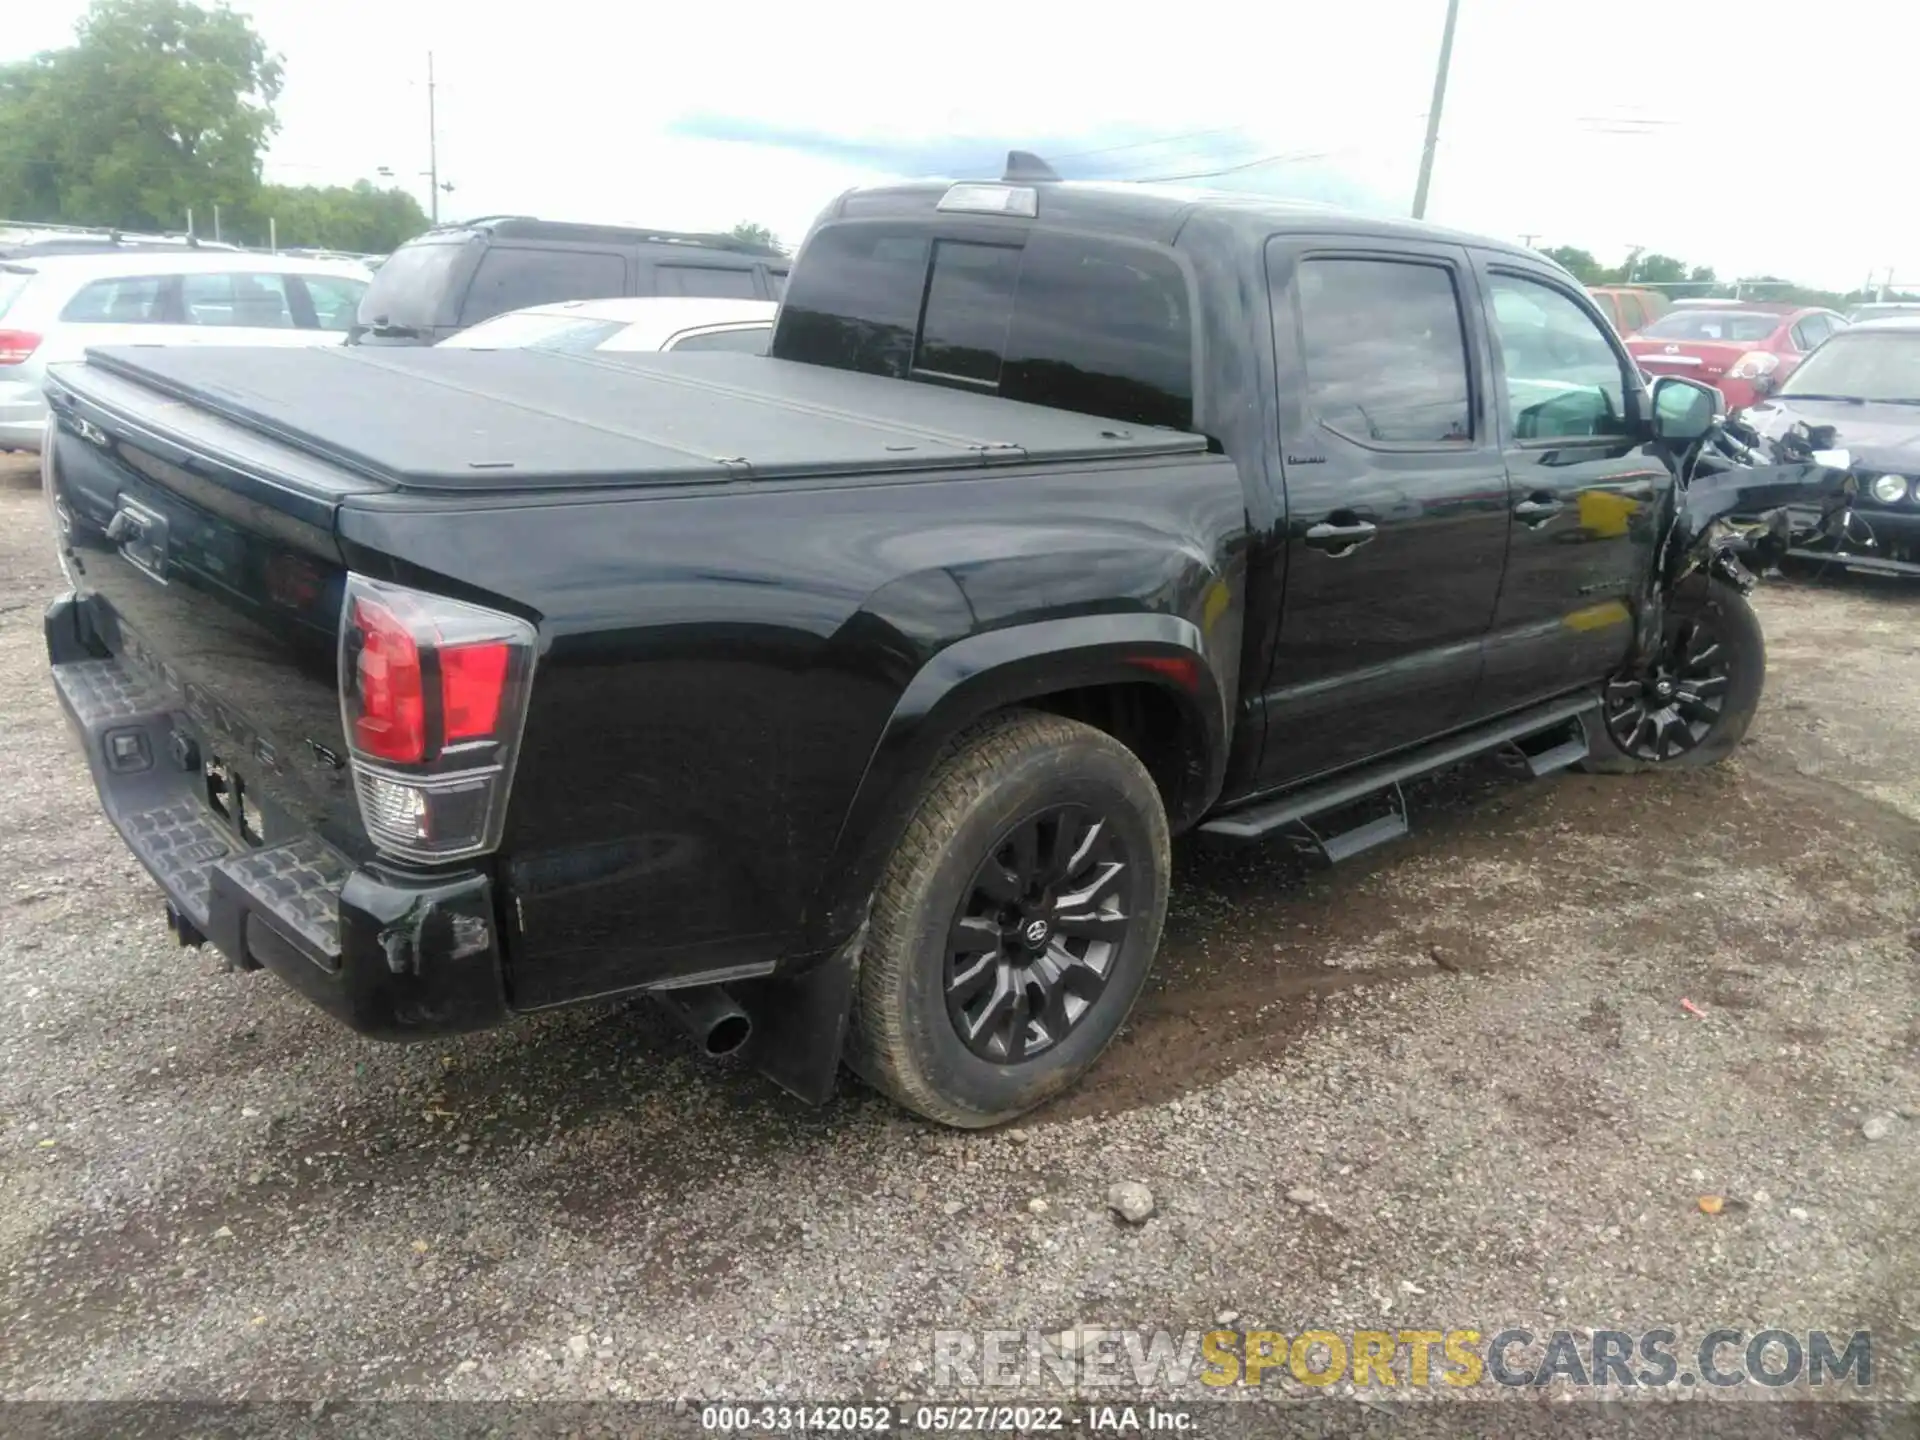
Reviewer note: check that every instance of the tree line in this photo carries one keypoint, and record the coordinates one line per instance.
(163, 109)
(1676, 277)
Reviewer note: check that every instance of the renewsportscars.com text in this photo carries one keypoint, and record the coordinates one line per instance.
(1407, 1358)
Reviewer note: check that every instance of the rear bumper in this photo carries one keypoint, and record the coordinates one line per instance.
(23, 415)
(393, 956)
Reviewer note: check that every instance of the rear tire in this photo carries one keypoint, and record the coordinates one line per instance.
(1713, 665)
(1015, 923)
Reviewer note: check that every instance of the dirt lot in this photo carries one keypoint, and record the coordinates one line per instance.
(1465, 1059)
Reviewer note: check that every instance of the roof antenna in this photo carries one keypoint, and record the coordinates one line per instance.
(1024, 165)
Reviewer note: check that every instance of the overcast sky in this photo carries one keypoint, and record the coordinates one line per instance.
(1757, 137)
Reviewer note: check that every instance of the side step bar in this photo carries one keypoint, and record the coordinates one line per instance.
(1542, 740)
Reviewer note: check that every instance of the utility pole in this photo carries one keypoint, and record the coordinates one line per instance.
(1527, 240)
(1433, 112)
(433, 148)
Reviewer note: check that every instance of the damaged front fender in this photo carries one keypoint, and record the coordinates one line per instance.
(1740, 497)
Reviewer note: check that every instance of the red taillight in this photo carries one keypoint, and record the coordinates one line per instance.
(17, 346)
(392, 719)
(433, 699)
(472, 680)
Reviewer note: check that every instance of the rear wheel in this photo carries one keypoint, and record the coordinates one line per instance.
(1015, 923)
(1693, 704)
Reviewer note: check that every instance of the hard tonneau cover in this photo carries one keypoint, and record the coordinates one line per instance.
(480, 420)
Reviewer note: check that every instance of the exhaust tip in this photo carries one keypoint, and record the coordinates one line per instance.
(728, 1034)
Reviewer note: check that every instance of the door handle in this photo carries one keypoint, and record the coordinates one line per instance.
(1537, 510)
(1340, 539)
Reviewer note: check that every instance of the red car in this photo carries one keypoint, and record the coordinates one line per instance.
(1743, 349)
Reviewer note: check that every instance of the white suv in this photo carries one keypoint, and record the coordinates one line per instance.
(52, 307)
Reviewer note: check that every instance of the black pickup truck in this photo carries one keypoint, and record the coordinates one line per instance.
(845, 700)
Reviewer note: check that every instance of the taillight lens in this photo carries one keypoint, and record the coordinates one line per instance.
(392, 719)
(1754, 364)
(17, 346)
(433, 696)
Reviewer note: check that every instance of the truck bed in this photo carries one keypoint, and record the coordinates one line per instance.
(493, 420)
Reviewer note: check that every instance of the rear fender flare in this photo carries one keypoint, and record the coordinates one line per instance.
(983, 673)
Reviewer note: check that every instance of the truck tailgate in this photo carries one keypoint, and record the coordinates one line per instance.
(204, 655)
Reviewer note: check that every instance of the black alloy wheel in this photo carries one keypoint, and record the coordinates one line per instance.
(1034, 939)
(1674, 706)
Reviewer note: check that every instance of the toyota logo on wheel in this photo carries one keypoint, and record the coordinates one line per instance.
(1036, 932)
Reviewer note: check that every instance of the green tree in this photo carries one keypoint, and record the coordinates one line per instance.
(158, 107)
(1659, 270)
(358, 217)
(754, 234)
(1579, 263)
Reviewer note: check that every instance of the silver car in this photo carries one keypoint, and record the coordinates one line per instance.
(52, 307)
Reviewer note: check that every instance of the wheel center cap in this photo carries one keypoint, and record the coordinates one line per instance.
(1035, 933)
(1664, 689)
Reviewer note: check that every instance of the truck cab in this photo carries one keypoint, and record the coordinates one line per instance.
(846, 700)
(1443, 445)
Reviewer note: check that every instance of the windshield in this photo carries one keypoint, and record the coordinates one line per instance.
(409, 289)
(522, 330)
(1860, 365)
(1740, 326)
(12, 281)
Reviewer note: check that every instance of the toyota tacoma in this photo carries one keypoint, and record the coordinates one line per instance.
(845, 700)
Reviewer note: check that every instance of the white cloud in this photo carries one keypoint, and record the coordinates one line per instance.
(1761, 137)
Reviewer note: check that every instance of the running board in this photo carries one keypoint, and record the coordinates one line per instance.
(1544, 739)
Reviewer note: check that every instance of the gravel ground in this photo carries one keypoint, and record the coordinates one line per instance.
(1454, 1084)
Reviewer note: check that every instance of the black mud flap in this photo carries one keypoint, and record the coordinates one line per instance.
(800, 1023)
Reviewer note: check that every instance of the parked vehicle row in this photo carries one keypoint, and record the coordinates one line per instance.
(1743, 351)
(53, 306)
(1861, 391)
(456, 276)
(845, 699)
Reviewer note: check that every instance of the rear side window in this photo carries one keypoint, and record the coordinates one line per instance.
(1386, 352)
(132, 300)
(247, 301)
(335, 299)
(1631, 316)
(1811, 331)
(744, 340)
(1093, 325)
(855, 304)
(1103, 328)
(511, 278)
(713, 282)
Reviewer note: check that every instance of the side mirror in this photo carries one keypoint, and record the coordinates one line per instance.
(1683, 409)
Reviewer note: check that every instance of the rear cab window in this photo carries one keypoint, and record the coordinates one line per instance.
(1087, 323)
